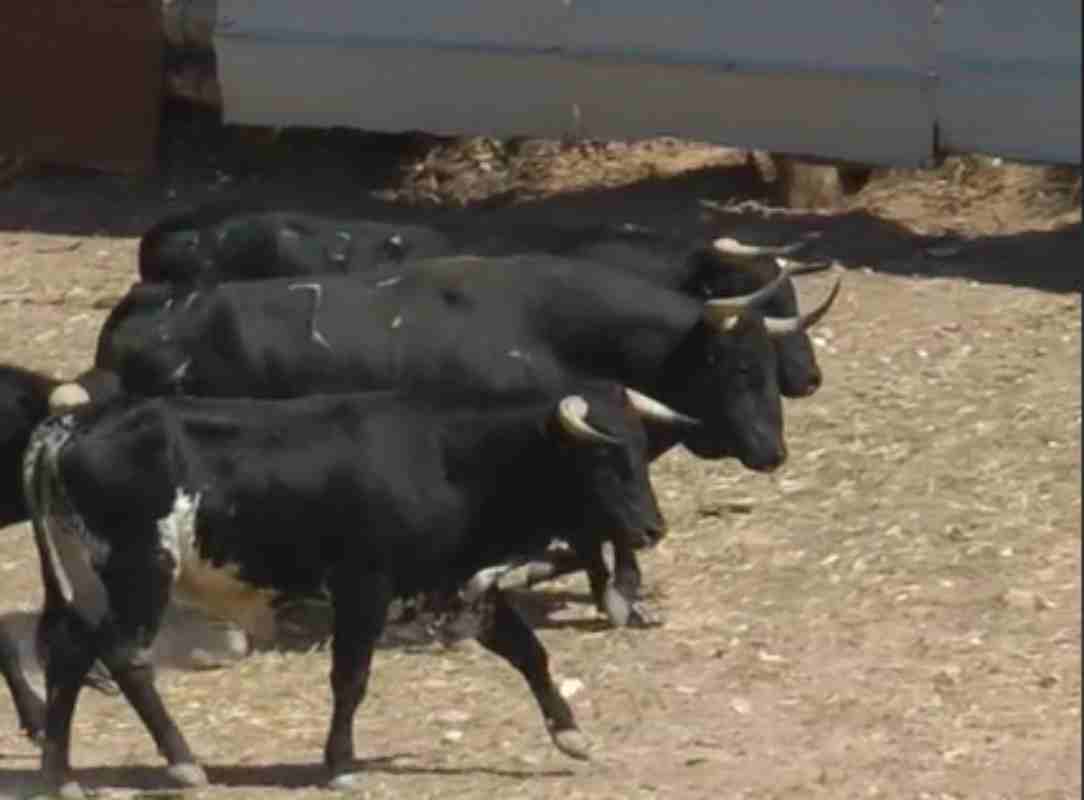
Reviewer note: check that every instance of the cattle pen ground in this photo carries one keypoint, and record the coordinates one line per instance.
(895, 613)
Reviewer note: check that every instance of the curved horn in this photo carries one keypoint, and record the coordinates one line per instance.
(67, 395)
(572, 414)
(781, 326)
(803, 267)
(650, 408)
(735, 249)
(722, 307)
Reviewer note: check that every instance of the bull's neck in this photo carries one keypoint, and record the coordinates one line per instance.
(616, 326)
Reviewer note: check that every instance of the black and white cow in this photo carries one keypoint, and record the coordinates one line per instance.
(234, 503)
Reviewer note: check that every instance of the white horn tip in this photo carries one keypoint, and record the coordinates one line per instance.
(67, 395)
(732, 247)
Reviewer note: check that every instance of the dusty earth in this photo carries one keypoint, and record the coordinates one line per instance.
(896, 613)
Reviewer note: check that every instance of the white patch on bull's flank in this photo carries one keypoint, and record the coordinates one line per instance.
(216, 589)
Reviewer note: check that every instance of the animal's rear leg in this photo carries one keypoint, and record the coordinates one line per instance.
(504, 632)
(67, 647)
(361, 608)
(29, 707)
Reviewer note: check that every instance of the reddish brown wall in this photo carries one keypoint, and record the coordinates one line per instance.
(81, 82)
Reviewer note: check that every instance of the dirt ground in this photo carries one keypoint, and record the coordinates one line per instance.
(895, 613)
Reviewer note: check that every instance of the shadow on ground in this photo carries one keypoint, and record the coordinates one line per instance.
(25, 781)
(342, 172)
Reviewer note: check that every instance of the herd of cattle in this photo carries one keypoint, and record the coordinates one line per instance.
(289, 407)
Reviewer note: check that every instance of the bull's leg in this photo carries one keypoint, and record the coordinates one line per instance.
(67, 646)
(29, 707)
(552, 565)
(360, 607)
(627, 582)
(504, 632)
(615, 597)
(138, 594)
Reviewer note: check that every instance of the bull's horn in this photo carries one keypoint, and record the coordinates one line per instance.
(735, 249)
(781, 326)
(722, 307)
(650, 408)
(66, 396)
(572, 414)
(802, 267)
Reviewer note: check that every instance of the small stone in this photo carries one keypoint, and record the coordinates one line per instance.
(1025, 600)
(453, 736)
(453, 717)
(570, 687)
(741, 705)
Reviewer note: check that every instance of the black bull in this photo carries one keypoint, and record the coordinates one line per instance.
(221, 243)
(239, 502)
(467, 324)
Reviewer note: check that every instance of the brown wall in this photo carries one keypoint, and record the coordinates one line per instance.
(81, 82)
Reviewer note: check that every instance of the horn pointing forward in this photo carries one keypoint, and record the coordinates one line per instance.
(650, 408)
(781, 326)
(572, 414)
(736, 249)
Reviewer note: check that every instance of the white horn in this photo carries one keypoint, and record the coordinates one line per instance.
(650, 408)
(803, 267)
(722, 307)
(736, 249)
(781, 326)
(572, 414)
(66, 396)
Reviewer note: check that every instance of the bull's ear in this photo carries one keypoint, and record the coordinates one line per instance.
(572, 417)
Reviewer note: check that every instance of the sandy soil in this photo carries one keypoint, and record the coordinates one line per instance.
(894, 614)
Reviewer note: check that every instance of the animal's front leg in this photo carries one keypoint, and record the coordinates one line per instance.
(505, 633)
(139, 593)
(360, 606)
(627, 581)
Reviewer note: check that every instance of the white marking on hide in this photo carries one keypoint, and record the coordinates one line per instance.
(389, 281)
(395, 323)
(188, 301)
(318, 298)
(215, 588)
(178, 374)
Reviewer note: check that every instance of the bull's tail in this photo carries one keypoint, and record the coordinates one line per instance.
(54, 521)
(42, 489)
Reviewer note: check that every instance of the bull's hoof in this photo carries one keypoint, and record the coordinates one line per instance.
(187, 775)
(616, 608)
(539, 572)
(70, 790)
(573, 743)
(640, 616)
(346, 782)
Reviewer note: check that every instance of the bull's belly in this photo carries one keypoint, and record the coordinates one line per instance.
(215, 588)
